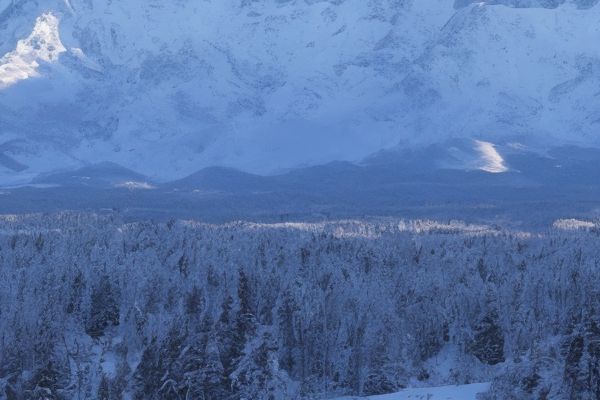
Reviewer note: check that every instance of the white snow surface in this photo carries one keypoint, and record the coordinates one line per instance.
(43, 45)
(490, 160)
(168, 87)
(458, 392)
(573, 224)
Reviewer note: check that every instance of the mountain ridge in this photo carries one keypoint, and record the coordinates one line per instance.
(266, 86)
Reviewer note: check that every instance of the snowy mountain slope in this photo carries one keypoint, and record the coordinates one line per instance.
(42, 45)
(500, 72)
(166, 88)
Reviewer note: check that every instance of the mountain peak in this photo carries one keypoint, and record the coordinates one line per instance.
(42, 45)
(170, 88)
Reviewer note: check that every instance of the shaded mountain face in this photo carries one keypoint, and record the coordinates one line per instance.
(167, 88)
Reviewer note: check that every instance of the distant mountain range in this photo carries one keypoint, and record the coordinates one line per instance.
(450, 180)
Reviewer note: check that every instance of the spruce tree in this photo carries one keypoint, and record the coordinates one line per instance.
(380, 377)
(104, 308)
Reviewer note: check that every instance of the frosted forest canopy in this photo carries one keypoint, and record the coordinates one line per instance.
(92, 307)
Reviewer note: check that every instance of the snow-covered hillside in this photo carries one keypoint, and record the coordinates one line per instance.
(168, 87)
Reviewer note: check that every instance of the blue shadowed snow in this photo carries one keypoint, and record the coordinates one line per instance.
(460, 392)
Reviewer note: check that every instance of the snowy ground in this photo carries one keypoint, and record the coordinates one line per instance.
(461, 392)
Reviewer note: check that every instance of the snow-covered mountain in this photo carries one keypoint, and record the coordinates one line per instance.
(166, 88)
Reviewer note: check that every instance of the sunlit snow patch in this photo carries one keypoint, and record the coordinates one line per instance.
(490, 160)
(133, 185)
(572, 224)
(43, 44)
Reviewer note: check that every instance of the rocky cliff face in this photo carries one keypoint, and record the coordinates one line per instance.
(166, 88)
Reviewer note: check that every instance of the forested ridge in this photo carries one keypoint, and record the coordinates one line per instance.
(92, 307)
